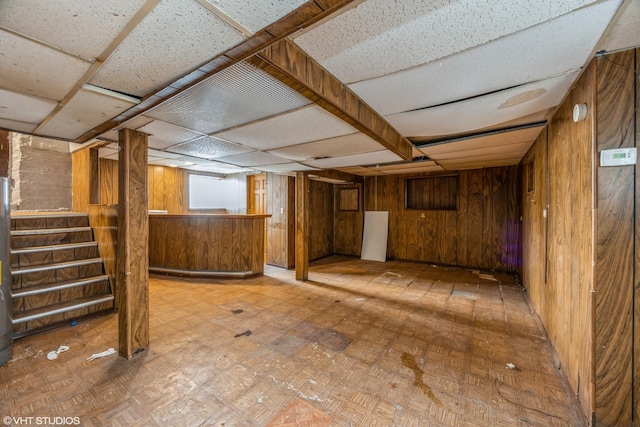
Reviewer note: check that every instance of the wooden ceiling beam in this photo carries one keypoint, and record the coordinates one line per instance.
(307, 14)
(292, 66)
(338, 175)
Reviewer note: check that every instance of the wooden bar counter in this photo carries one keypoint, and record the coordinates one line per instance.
(207, 245)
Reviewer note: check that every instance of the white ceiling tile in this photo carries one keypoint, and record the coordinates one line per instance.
(253, 15)
(327, 180)
(381, 36)
(255, 158)
(383, 156)
(498, 139)
(410, 170)
(105, 152)
(24, 108)
(306, 124)
(217, 167)
(163, 134)
(17, 126)
(485, 111)
(80, 27)
(333, 147)
(407, 165)
(487, 153)
(34, 69)
(285, 168)
(84, 111)
(626, 33)
(110, 156)
(162, 56)
(135, 123)
(239, 94)
(477, 164)
(548, 49)
(163, 154)
(209, 147)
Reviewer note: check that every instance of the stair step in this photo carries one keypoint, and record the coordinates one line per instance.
(41, 289)
(55, 266)
(37, 231)
(18, 215)
(60, 308)
(59, 247)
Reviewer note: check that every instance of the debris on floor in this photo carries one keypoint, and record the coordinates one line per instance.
(237, 311)
(243, 334)
(53, 355)
(107, 352)
(511, 366)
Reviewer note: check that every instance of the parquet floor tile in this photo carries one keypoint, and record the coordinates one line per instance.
(360, 344)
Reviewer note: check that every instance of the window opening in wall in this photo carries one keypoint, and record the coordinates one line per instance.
(349, 199)
(208, 192)
(432, 193)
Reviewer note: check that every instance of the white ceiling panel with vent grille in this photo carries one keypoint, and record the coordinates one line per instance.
(239, 94)
(209, 147)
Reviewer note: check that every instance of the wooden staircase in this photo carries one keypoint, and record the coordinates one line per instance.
(57, 273)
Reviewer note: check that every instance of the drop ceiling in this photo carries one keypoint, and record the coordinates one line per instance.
(361, 86)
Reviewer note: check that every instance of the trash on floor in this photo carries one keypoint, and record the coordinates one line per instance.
(237, 311)
(107, 352)
(53, 355)
(511, 366)
(244, 334)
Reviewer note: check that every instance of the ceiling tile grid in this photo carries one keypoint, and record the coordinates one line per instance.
(82, 113)
(163, 135)
(481, 112)
(254, 158)
(162, 56)
(254, 15)
(548, 49)
(306, 124)
(83, 28)
(239, 94)
(24, 71)
(333, 147)
(208, 147)
(380, 35)
(286, 168)
(375, 157)
(22, 108)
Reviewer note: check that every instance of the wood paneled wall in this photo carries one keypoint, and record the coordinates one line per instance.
(321, 229)
(349, 223)
(281, 205)
(80, 180)
(580, 261)
(168, 187)
(615, 218)
(207, 243)
(483, 232)
(104, 221)
(558, 244)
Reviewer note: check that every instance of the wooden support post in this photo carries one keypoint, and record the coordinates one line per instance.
(302, 226)
(132, 290)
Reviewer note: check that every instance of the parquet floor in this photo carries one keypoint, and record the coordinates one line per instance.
(360, 344)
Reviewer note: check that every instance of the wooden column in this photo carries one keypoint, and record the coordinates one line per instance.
(4, 153)
(132, 290)
(302, 226)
